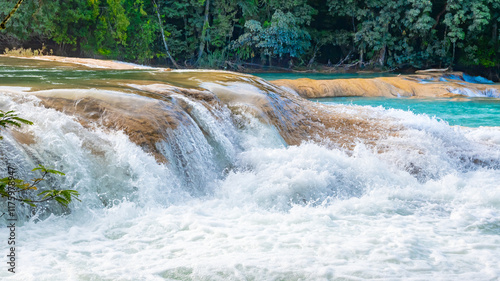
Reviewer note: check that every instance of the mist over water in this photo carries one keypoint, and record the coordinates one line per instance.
(233, 201)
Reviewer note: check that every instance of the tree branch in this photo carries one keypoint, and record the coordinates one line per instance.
(163, 35)
(2, 25)
(439, 15)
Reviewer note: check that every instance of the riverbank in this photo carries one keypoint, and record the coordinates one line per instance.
(427, 84)
(91, 63)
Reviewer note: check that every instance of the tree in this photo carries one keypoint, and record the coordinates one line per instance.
(211, 33)
(472, 29)
(163, 36)
(281, 37)
(204, 29)
(284, 36)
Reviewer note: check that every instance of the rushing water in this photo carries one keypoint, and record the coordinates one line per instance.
(233, 200)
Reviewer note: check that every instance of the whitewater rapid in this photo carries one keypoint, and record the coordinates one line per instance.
(234, 201)
(285, 213)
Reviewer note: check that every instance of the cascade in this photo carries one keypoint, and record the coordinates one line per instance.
(212, 175)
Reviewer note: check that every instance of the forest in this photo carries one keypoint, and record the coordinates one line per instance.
(233, 34)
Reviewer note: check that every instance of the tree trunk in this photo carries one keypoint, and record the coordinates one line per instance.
(445, 51)
(311, 61)
(452, 57)
(353, 25)
(439, 15)
(381, 59)
(2, 25)
(163, 35)
(204, 30)
(494, 37)
(185, 28)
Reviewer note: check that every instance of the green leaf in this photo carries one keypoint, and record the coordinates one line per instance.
(8, 117)
(47, 194)
(29, 202)
(46, 170)
(50, 171)
(62, 201)
(66, 194)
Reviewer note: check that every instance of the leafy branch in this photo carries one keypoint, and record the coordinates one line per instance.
(10, 118)
(64, 197)
(12, 188)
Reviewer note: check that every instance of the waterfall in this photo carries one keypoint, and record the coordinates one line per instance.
(219, 176)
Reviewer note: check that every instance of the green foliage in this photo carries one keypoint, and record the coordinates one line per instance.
(64, 197)
(33, 18)
(9, 15)
(18, 189)
(73, 21)
(216, 59)
(284, 36)
(11, 118)
(183, 19)
(419, 33)
(142, 32)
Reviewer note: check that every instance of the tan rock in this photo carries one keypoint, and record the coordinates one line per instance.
(400, 86)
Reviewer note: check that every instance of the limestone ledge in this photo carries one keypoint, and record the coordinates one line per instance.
(425, 86)
(87, 62)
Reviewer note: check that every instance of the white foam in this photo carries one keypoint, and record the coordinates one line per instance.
(395, 228)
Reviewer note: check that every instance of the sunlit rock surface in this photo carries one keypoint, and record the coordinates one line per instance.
(422, 85)
(147, 108)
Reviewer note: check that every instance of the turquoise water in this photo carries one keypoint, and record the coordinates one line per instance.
(470, 112)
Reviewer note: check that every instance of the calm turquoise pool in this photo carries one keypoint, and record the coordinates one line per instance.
(471, 112)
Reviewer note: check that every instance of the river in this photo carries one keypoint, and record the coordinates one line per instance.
(206, 175)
